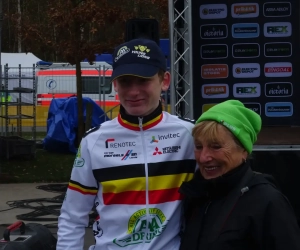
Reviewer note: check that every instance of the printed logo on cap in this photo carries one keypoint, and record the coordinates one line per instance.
(246, 70)
(244, 10)
(245, 50)
(213, 11)
(213, 31)
(121, 52)
(278, 29)
(254, 106)
(279, 109)
(246, 90)
(214, 71)
(278, 89)
(220, 90)
(283, 49)
(277, 9)
(214, 51)
(278, 69)
(245, 30)
(141, 51)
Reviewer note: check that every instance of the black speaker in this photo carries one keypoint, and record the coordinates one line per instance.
(142, 28)
(32, 236)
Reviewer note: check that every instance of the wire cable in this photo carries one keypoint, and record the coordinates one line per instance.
(7, 209)
(45, 206)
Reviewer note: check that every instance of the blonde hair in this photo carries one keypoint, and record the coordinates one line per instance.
(209, 131)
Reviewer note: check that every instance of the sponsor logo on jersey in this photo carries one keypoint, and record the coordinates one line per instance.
(153, 140)
(110, 143)
(168, 136)
(129, 154)
(79, 161)
(166, 150)
(143, 227)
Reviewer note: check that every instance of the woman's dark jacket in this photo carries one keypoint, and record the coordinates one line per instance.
(240, 210)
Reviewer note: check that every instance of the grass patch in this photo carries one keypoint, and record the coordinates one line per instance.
(46, 167)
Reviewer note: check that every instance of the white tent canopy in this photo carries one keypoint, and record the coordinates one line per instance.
(14, 59)
(27, 62)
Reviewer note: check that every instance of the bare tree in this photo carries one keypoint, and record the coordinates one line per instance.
(74, 30)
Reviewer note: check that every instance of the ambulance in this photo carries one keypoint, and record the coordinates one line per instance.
(58, 80)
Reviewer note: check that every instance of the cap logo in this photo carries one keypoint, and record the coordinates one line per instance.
(141, 51)
(232, 128)
(121, 52)
(142, 48)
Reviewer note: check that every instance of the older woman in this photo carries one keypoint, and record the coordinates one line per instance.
(229, 207)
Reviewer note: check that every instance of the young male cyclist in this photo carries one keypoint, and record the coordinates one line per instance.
(131, 167)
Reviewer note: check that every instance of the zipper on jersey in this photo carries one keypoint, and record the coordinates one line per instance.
(146, 172)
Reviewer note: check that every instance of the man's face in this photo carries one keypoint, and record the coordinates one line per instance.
(140, 96)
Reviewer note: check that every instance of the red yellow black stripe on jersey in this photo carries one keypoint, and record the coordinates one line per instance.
(76, 186)
(135, 126)
(127, 184)
(132, 122)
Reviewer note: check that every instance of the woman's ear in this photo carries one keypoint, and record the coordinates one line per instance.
(245, 155)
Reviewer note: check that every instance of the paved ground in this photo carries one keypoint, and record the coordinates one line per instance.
(15, 194)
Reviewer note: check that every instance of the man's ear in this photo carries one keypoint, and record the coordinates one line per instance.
(166, 81)
(115, 85)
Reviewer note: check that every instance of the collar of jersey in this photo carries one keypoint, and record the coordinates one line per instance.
(132, 122)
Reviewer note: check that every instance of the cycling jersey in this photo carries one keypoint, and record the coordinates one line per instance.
(130, 168)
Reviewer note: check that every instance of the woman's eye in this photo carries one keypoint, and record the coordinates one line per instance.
(216, 146)
(198, 147)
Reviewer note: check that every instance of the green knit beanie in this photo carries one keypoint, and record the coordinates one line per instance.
(244, 123)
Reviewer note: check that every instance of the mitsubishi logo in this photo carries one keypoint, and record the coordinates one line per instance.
(157, 152)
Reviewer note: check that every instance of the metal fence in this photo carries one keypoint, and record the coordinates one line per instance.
(57, 82)
(17, 101)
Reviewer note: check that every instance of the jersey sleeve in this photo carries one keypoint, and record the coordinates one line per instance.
(78, 202)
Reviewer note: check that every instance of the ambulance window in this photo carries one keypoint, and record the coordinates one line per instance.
(90, 85)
